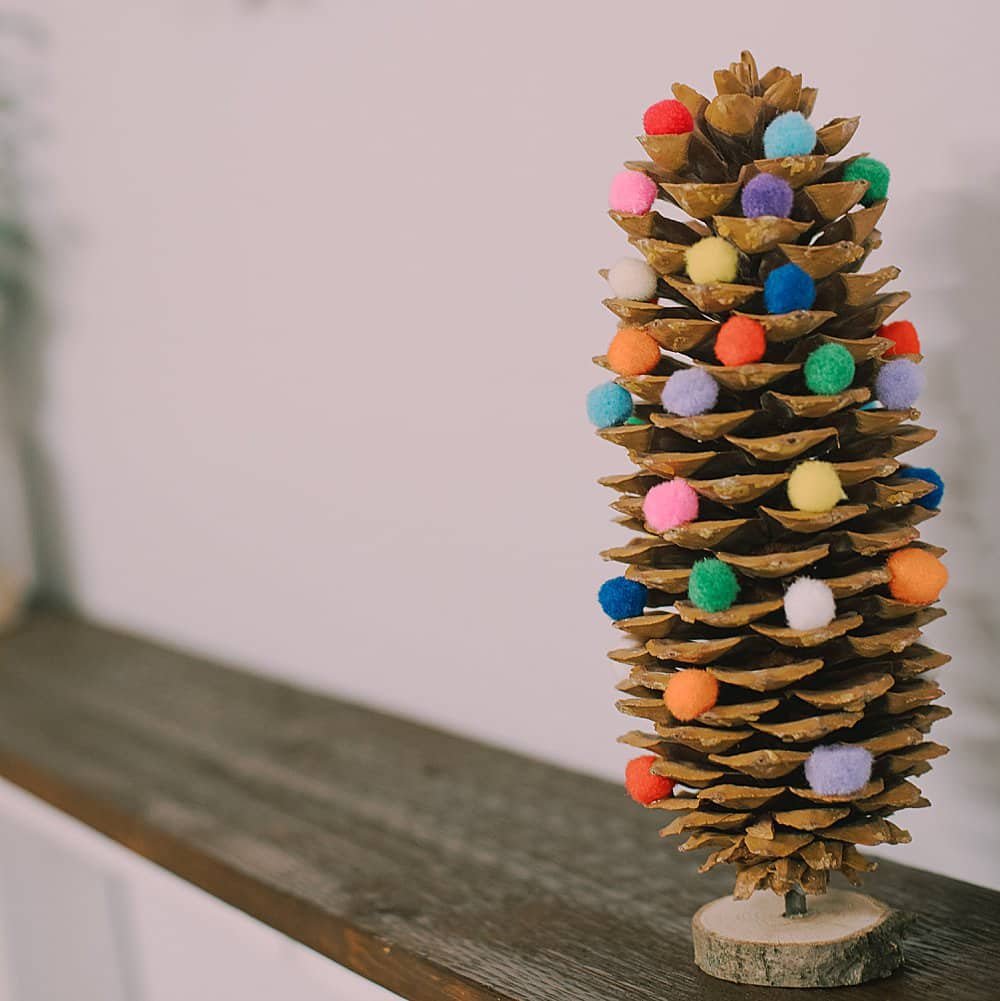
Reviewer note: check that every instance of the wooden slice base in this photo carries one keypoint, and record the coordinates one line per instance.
(845, 938)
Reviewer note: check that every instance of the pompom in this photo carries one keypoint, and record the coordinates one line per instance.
(713, 586)
(609, 404)
(642, 785)
(839, 769)
(809, 604)
(632, 278)
(689, 693)
(621, 598)
(670, 504)
(904, 337)
(767, 194)
(829, 369)
(689, 392)
(917, 576)
(667, 118)
(789, 134)
(789, 288)
(712, 259)
(815, 487)
(633, 352)
(899, 384)
(740, 341)
(875, 172)
(632, 192)
(931, 501)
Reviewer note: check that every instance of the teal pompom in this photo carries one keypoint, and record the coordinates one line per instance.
(789, 134)
(875, 172)
(713, 586)
(829, 369)
(609, 404)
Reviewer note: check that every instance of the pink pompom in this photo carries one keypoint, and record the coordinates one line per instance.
(632, 192)
(670, 504)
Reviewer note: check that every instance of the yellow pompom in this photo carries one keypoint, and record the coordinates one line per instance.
(712, 259)
(815, 487)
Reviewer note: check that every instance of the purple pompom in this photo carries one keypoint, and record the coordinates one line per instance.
(690, 392)
(838, 769)
(767, 194)
(899, 384)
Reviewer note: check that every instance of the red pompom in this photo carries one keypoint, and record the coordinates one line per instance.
(904, 337)
(740, 341)
(667, 118)
(642, 785)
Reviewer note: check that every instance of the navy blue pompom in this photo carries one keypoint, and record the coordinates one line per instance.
(789, 288)
(932, 500)
(622, 598)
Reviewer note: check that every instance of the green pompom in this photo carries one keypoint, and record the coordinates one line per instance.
(712, 586)
(635, 420)
(875, 172)
(829, 369)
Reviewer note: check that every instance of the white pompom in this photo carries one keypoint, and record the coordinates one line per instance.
(809, 604)
(631, 278)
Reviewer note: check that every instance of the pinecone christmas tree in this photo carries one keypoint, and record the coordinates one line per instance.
(775, 590)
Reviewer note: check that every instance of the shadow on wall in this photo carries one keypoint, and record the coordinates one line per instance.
(32, 545)
(963, 366)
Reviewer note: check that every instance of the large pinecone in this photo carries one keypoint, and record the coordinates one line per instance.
(742, 792)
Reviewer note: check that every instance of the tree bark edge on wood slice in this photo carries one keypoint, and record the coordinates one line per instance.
(845, 938)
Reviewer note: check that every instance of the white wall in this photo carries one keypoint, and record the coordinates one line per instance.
(313, 387)
(83, 918)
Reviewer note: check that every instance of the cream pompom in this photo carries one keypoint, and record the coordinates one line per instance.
(712, 259)
(632, 278)
(809, 604)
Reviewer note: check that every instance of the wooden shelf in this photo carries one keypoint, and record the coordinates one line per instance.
(435, 866)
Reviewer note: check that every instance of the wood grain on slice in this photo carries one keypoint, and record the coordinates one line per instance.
(844, 939)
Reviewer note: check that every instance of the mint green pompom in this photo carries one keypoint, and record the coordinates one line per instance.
(712, 586)
(875, 172)
(829, 369)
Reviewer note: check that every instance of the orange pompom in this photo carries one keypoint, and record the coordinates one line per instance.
(690, 693)
(642, 785)
(633, 352)
(918, 577)
(740, 341)
(904, 337)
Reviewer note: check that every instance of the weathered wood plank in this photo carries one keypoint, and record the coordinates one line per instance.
(433, 865)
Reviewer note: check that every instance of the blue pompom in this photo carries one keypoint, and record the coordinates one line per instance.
(789, 134)
(609, 404)
(789, 288)
(932, 501)
(622, 598)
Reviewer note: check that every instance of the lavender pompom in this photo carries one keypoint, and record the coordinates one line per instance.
(838, 769)
(899, 384)
(690, 392)
(767, 194)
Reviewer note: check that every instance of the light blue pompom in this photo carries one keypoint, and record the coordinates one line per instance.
(609, 404)
(789, 134)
